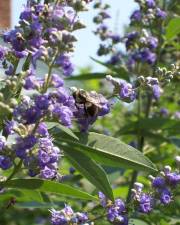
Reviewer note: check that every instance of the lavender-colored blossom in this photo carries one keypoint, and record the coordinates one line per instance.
(173, 178)
(160, 13)
(150, 3)
(57, 218)
(156, 91)
(63, 113)
(164, 112)
(10, 70)
(127, 93)
(64, 62)
(165, 197)
(136, 15)
(5, 162)
(48, 172)
(158, 182)
(152, 42)
(3, 51)
(177, 115)
(102, 199)
(115, 59)
(145, 203)
(32, 115)
(43, 130)
(57, 81)
(9, 127)
(42, 101)
(147, 56)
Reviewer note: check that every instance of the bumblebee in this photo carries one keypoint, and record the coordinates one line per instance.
(91, 101)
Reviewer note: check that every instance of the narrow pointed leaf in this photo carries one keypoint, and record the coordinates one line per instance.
(91, 170)
(48, 187)
(108, 151)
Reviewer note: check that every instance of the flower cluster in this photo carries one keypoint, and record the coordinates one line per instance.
(116, 212)
(124, 90)
(105, 34)
(44, 32)
(148, 12)
(141, 46)
(128, 92)
(68, 216)
(161, 193)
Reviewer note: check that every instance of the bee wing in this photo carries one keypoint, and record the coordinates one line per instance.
(96, 98)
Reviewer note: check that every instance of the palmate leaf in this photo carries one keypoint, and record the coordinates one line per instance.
(48, 187)
(107, 151)
(90, 169)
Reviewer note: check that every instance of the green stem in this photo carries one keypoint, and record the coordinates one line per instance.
(15, 171)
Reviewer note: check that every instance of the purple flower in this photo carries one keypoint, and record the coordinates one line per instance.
(30, 82)
(42, 129)
(48, 172)
(177, 115)
(10, 70)
(164, 112)
(56, 81)
(116, 212)
(161, 14)
(156, 91)
(102, 199)
(158, 182)
(81, 217)
(3, 51)
(44, 157)
(173, 178)
(63, 113)
(150, 3)
(126, 92)
(115, 38)
(136, 15)
(5, 162)
(26, 14)
(64, 62)
(165, 197)
(147, 56)
(42, 101)
(9, 127)
(57, 218)
(115, 59)
(32, 114)
(152, 42)
(145, 203)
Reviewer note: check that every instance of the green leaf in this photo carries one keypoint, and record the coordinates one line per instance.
(90, 169)
(120, 72)
(108, 151)
(173, 28)
(88, 76)
(58, 127)
(175, 141)
(170, 125)
(48, 186)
